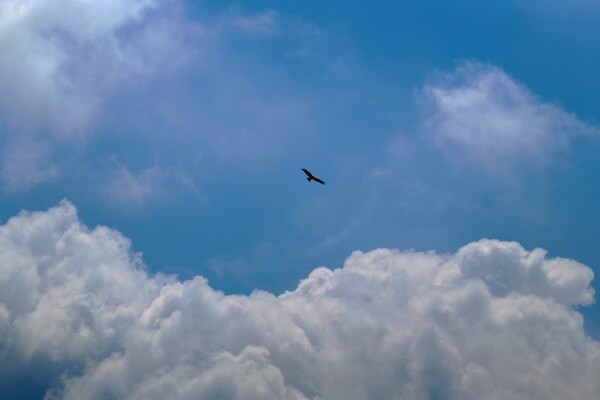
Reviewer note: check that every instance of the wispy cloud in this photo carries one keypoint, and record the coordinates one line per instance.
(27, 163)
(61, 60)
(262, 23)
(135, 187)
(148, 185)
(492, 320)
(101, 65)
(481, 114)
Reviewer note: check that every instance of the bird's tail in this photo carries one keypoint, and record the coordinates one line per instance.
(309, 179)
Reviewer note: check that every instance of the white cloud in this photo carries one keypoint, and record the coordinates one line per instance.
(61, 59)
(492, 321)
(483, 114)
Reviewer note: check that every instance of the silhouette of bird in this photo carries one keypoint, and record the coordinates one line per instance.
(311, 177)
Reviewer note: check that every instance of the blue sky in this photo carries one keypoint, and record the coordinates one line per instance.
(185, 125)
(208, 154)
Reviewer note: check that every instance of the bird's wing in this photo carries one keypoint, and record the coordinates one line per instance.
(318, 180)
(307, 172)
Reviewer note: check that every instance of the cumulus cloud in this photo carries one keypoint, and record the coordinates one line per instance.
(62, 59)
(481, 113)
(491, 321)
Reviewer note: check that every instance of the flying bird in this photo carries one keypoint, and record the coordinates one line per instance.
(311, 177)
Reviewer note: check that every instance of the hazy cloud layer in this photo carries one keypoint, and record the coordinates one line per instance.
(491, 321)
(480, 112)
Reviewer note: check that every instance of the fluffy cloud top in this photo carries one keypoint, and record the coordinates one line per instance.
(493, 120)
(492, 321)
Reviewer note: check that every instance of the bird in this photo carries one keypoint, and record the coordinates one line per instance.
(311, 177)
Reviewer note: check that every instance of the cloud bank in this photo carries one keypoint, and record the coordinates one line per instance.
(482, 114)
(491, 321)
